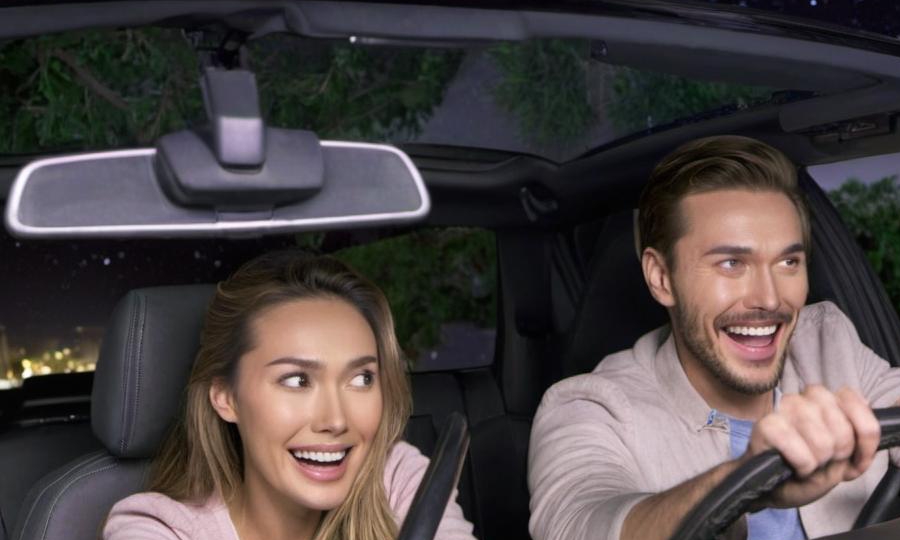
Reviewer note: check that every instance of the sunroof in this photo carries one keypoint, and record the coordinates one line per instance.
(877, 16)
(552, 98)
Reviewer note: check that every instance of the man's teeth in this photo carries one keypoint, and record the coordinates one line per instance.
(324, 457)
(752, 330)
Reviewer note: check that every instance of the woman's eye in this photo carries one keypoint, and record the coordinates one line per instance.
(792, 262)
(296, 380)
(363, 380)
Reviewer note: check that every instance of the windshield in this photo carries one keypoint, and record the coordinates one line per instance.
(551, 98)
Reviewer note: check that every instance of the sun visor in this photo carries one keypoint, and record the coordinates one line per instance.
(127, 193)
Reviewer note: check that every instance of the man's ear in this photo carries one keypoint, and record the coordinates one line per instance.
(222, 399)
(658, 276)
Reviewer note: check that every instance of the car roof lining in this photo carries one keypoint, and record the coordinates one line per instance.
(670, 46)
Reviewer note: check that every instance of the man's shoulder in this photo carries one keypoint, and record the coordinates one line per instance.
(615, 378)
(823, 323)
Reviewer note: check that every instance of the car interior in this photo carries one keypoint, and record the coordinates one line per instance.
(570, 288)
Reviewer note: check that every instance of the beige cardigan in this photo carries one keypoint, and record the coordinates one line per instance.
(635, 426)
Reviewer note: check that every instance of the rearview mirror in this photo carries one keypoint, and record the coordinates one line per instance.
(122, 194)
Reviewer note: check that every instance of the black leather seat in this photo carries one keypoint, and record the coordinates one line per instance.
(144, 364)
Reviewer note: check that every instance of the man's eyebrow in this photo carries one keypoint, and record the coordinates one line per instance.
(793, 248)
(743, 250)
(729, 250)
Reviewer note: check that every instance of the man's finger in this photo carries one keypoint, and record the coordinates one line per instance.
(776, 432)
(865, 427)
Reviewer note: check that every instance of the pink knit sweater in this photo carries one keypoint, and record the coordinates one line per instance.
(153, 516)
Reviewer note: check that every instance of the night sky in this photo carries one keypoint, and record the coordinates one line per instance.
(880, 16)
(50, 287)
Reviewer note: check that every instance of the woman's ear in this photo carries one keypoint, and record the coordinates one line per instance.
(658, 276)
(222, 399)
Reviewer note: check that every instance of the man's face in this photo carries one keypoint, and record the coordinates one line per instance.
(738, 285)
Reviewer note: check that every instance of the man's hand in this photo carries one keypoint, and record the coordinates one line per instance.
(827, 438)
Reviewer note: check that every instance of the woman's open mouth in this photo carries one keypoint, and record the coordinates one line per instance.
(322, 466)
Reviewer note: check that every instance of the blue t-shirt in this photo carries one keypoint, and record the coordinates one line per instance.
(771, 523)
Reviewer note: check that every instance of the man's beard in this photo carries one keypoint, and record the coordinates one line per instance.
(687, 323)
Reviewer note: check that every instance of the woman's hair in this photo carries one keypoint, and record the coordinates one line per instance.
(203, 454)
(710, 164)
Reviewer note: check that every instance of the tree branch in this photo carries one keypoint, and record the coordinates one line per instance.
(87, 79)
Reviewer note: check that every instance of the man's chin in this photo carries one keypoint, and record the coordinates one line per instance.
(752, 377)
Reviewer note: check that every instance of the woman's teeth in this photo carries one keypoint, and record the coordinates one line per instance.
(321, 457)
(752, 330)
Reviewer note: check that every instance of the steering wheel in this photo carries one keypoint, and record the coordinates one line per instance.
(430, 501)
(759, 476)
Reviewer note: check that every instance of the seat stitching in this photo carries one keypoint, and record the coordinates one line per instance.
(139, 364)
(100, 454)
(126, 371)
(63, 490)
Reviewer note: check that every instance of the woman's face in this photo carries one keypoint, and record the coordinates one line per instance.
(307, 402)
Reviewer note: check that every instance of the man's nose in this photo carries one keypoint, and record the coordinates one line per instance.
(328, 413)
(763, 291)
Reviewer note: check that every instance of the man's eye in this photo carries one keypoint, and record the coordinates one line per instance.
(363, 380)
(295, 380)
(792, 262)
(730, 264)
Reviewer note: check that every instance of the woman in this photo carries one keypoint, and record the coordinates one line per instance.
(295, 408)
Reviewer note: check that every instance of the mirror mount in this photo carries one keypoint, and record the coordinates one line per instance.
(237, 161)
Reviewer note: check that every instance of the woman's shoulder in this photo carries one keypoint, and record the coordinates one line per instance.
(403, 472)
(151, 515)
(404, 463)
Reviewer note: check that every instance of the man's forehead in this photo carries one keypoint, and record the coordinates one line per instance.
(741, 218)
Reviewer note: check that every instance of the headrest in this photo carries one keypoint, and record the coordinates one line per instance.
(144, 365)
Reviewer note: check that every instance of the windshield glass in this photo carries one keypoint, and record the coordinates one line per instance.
(552, 98)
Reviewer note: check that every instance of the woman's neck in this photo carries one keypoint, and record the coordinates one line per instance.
(259, 514)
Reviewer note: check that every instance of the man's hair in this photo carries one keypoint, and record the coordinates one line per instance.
(712, 164)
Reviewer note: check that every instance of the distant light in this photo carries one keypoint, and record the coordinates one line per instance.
(58, 355)
(106, 261)
(67, 351)
(353, 39)
(813, 2)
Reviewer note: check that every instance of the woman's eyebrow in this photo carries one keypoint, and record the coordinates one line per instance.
(315, 365)
(304, 363)
(361, 361)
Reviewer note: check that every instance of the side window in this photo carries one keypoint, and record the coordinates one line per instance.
(866, 192)
(57, 296)
(442, 287)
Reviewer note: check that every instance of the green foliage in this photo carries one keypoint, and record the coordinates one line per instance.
(545, 86)
(643, 99)
(871, 213)
(101, 89)
(349, 92)
(431, 277)
(94, 89)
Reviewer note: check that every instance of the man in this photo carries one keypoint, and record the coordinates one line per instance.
(626, 451)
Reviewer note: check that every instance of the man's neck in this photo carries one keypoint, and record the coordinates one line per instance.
(718, 395)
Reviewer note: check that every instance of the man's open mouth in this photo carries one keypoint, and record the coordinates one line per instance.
(755, 336)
